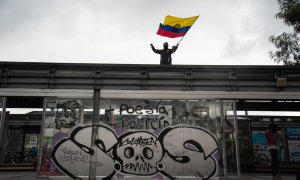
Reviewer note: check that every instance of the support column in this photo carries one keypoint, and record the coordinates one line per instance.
(223, 140)
(3, 131)
(94, 135)
(236, 134)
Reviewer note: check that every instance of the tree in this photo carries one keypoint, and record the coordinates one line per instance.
(287, 44)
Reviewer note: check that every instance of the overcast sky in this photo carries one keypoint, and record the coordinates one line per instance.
(230, 32)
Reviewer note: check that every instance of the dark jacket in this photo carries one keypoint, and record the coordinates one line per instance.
(165, 54)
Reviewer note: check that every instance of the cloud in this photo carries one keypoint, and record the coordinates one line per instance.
(238, 47)
(118, 31)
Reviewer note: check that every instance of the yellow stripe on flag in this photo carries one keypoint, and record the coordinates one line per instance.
(179, 22)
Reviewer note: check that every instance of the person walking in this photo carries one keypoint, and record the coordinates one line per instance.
(272, 137)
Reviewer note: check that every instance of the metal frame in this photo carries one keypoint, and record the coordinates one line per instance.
(223, 141)
(173, 94)
(68, 93)
(2, 130)
(236, 139)
(96, 116)
(149, 77)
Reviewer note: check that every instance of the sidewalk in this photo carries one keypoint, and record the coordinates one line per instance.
(264, 177)
(32, 176)
(18, 176)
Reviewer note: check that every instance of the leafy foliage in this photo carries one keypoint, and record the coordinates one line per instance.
(290, 13)
(287, 44)
(288, 49)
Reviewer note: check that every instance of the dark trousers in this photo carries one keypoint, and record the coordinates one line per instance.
(275, 163)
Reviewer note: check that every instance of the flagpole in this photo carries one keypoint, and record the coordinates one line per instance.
(186, 32)
(181, 38)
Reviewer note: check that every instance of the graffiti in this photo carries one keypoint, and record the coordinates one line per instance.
(164, 120)
(28, 155)
(147, 123)
(78, 147)
(138, 153)
(75, 156)
(138, 109)
(67, 114)
(193, 150)
(138, 141)
(175, 152)
(31, 155)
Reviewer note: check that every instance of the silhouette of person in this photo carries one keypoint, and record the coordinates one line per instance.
(165, 53)
(272, 138)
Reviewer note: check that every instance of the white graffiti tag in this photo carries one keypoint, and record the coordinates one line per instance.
(188, 152)
(176, 152)
(139, 153)
(73, 154)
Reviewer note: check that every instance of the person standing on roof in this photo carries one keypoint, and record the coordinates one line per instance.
(165, 53)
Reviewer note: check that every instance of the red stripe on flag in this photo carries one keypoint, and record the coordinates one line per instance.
(169, 34)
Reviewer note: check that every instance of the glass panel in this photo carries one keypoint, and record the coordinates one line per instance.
(22, 130)
(59, 146)
(261, 154)
(293, 143)
(31, 147)
(14, 146)
(229, 128)
(159, 138)
(2, 147)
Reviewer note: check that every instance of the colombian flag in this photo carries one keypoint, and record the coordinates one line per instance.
(175, 27)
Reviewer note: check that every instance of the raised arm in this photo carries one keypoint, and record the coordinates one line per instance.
(153, 49)
(174, 48)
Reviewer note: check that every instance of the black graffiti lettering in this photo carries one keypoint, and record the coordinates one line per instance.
(144, 123)
(148, 110)
(152, 126)
(130, 109)
(124, 124)
(132, 124)
(162, 110)
(138, 109)
(166, 123)
(147, 123)
(122, 108)
(140, 167)
(140, 141)
(109, 110)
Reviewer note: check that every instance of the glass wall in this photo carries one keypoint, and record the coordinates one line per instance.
(61, 117)
(2, 146)
(142, 138)
(162, 138)
(230, 137)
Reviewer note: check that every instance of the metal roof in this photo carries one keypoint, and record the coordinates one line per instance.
(149, 77)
